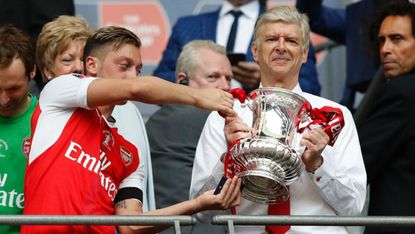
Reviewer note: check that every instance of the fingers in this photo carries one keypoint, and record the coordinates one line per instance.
(228, 98)
(226, 111)
(230, 194)
(236, 129)
(315, 141)
(247, 73)
(248, 66)
(236, 124)
(236, 195)
(316, 138)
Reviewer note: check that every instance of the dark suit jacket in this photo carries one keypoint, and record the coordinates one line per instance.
(31, 15)
(388, 145)
(173, 133)
(350, 27)
(203, 27)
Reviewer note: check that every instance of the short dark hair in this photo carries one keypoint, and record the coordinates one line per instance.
(14, 43)
(393, 8)
(112, 36)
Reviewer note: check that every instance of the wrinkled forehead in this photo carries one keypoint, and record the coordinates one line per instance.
(280, 28)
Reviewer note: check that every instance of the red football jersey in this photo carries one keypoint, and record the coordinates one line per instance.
(79, 172)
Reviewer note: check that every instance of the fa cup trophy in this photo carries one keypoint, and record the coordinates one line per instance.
(267, 162)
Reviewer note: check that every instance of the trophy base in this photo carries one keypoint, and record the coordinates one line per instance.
(266, 167)
(259, 188)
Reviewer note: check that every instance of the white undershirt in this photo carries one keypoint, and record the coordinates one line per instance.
(246, 25)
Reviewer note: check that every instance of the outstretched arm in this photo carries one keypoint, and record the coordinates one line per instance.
(153, 90)
(228, 197)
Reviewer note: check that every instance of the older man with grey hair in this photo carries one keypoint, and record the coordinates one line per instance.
(334, 180)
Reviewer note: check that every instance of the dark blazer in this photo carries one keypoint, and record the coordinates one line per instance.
(349, 26)
(388, 145)
(203, 27)
(30, 16)
(173, 133)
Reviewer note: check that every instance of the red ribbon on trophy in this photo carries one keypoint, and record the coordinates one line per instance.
(329, 118)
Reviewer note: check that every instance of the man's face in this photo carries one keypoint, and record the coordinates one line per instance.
(213, 71)
(69, 61)
(397, 46)
(123, 63)
(279, 50)
(14, 88)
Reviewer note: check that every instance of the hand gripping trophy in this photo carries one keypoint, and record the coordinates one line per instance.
(267, 162)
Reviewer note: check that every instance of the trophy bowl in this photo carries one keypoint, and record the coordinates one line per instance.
(266, 162)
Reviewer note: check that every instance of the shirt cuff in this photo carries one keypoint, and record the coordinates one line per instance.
(323, 174)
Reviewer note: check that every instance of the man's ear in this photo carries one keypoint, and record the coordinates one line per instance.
(182, 78)
(254, 50)
(91, 66)
(305, 54)
(32, 73)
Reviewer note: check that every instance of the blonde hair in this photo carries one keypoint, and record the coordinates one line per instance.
(56, 37)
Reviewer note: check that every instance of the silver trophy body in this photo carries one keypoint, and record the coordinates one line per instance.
(267, 162)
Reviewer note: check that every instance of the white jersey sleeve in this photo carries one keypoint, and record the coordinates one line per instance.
(58, 100)
(67, 91)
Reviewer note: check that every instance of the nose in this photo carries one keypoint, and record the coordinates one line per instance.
(385, 47)
(224, 83)
(79, 67)
(4, 98)
(281, 44)
(131, 73)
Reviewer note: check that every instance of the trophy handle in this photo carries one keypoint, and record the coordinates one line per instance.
(229, 171)
(329, 118)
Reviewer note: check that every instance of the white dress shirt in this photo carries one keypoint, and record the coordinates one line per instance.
(338, 187)
(246, 25)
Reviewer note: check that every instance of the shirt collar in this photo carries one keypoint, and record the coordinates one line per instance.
(296, 89)
(249, 10)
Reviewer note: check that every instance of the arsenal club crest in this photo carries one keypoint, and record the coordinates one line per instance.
(108, 139)
(127, 156)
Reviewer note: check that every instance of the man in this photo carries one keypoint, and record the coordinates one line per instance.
(216, 26)
(17, 68)
(174, 130)
(334, 182)
(30, 16)
(348, 26)
(387, 139)
(84, 166)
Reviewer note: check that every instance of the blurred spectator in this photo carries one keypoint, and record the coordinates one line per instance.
(349, 26)
(387, 137)
(216, 26)
(17, 68)
(60, 45)
(174, 130)
(30, 16)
